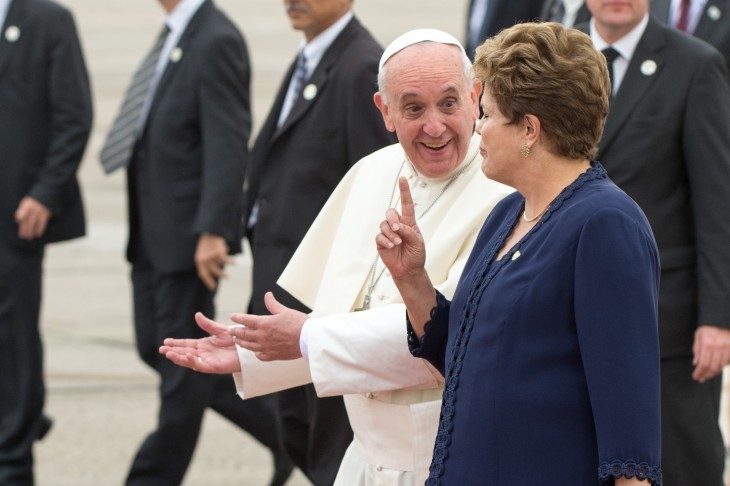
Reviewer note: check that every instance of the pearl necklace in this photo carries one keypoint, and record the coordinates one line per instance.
(530, 220)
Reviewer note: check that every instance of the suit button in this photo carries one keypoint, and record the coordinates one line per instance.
(370, 395)
(378, 468)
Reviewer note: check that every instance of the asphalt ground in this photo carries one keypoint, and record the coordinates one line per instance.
(102, 398)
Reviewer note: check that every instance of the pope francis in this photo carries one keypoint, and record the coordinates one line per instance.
(353, 343)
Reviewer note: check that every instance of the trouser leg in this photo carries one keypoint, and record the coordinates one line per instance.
(164, 307)
(22, 390)
(693, 453)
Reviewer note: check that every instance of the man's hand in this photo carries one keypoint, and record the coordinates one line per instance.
(32, 217)
(274, 337)
(400, 243)
(211, 257)
(214, 354)
(711, 352)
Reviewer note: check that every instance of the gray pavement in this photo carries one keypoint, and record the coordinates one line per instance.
(102, 398)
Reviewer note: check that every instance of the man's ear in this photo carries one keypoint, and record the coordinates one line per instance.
(476, 95)
(383, 107)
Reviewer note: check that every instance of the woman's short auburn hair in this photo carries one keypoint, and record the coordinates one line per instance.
(553, 73)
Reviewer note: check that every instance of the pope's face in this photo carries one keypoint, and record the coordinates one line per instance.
(431, 105)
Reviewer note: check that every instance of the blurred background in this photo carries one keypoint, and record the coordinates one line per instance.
(102, 398)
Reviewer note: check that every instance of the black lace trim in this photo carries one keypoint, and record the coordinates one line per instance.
(630, 469)
(416, 345)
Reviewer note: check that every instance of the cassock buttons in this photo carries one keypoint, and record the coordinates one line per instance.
(310, 91)
(648, 67)
(714, 12)
(12, 33)
(176, 54)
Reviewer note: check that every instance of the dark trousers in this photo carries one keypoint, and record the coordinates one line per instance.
(693, 453)
(164, 306)
(22, 392)
(315, 432)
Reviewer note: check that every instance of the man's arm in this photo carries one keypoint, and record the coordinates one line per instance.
(225, 121)
(70, 113)
(707, 163)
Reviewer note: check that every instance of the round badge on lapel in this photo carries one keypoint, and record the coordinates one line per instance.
(310, 91)
(12, 33)
(714, 12)
(648, 67)
(176, 54)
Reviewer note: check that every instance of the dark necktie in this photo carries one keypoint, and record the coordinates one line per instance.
(117, 150)
(300, 74)
(683, 19)
(611, 55)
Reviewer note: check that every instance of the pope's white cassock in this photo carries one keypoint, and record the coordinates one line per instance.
(393, 400)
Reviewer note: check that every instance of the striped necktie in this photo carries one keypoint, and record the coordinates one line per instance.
(300, 74)
(683, 18)
(117, 151)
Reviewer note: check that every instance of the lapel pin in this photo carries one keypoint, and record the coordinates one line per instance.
(648, 67)
(12, 33)
(714, 12)
(176, 54)
(310, 91)
(516, 255)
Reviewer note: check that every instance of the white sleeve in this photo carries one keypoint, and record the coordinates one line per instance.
(366, 351)
(263, 377)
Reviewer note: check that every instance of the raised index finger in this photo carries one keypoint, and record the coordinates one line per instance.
(407, 210)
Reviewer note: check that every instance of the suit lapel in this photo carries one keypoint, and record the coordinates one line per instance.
(712, 18)
(173, 64)
(318, 81)
(583, 15)
(644, 68)
(660, 9)
(14, 25)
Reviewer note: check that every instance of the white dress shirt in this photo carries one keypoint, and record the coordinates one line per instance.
(625, 46)
(4, 6)
(571, 11)
(478, 12)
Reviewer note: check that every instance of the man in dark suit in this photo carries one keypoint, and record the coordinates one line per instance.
(567, 12)
(45, 120)
(323, 120)
(182, 132)
(666, 143)
(487, 17)
(711, 22)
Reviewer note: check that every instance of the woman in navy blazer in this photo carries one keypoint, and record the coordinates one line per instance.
(549, 348)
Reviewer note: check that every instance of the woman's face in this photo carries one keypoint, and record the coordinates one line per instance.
(501, 142)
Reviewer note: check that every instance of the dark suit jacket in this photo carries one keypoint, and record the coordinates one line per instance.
(187, 171)
(502, 14)
(45, 118)
(583, 14)
(711, 28)
(295, 168)
(666, 144)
